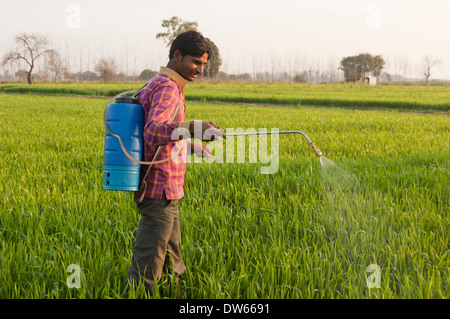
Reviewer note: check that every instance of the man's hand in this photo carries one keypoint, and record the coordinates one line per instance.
(201, 150)
(206, 131)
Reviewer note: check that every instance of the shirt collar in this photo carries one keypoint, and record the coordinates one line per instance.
(174, 76)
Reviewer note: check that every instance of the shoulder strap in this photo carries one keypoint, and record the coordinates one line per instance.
(135, 95)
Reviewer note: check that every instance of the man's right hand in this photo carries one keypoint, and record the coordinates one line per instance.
(206, 131)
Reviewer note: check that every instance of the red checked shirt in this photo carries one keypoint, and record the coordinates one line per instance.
(160, 99)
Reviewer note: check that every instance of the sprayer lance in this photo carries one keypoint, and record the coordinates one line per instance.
(316, 150)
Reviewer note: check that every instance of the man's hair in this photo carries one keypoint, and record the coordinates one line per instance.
(190, 43)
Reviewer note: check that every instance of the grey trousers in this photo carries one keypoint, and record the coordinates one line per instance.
(156, 248)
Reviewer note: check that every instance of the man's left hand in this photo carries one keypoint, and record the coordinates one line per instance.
(201, 150)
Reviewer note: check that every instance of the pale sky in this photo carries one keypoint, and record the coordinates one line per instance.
(252, 35)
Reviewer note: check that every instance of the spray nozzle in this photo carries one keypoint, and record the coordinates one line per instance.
(316, 150)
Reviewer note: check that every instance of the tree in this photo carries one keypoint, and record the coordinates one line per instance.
(300, 78)
(363, 65)
(120, 77)
(8, 76)
(377, 65)
(332, 67)
(176, 26)
(29, 48)
(21, 74)
(147, 75)
(428, 62)
(106, 68)
(55, 65)
(243, 77)
(222, 76)
(356, 68)
(88, 76)
(350, 68)
(213, 65)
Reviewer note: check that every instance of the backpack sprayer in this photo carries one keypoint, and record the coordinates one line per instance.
(122, 158)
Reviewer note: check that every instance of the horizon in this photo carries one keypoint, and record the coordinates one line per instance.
(252, 36)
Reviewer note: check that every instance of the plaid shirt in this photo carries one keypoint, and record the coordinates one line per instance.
(159, 100)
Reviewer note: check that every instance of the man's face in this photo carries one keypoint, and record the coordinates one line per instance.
(190, 67)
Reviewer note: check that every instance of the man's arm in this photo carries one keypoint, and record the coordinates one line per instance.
(159, 126)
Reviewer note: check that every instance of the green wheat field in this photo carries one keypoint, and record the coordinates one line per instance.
(310, 230)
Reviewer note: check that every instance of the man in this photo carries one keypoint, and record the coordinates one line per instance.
(156, 247)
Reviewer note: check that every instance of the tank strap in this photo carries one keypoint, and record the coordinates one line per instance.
(135, 95)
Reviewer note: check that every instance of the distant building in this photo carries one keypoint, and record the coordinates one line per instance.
(371, 80)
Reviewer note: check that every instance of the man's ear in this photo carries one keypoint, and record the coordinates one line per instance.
(177, 56)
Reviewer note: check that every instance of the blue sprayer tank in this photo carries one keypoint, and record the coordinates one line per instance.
(125, 118)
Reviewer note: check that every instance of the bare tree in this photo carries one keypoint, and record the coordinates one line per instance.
(318, 69)
(428, 62)
(332, 66)
(309, 68)
(8, 75)
(81, 61)
(56, 65)
(107, 68)
(21, 74)
(29, 47)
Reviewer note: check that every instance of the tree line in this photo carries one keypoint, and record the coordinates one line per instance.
(31, 48)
